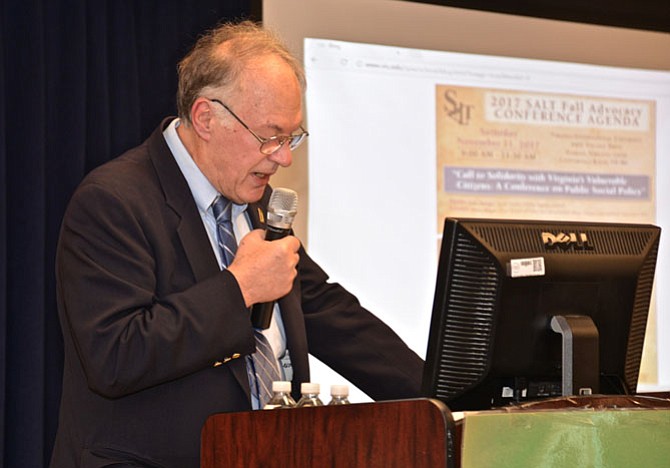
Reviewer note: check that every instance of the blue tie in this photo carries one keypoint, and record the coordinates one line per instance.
(262, 367)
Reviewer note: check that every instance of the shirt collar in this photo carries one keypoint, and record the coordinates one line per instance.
(203, 191)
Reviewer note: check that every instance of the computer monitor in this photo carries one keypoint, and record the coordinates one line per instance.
(525, 310)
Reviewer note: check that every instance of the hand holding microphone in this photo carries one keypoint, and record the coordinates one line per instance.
(282, 209)
(265, 270)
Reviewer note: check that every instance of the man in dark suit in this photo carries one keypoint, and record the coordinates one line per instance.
(156, 322)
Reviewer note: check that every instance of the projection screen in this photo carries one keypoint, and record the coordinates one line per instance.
(419, 111)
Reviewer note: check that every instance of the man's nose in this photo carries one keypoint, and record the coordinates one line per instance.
(283, 156)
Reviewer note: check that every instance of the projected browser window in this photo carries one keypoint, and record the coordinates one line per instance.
(401, 138)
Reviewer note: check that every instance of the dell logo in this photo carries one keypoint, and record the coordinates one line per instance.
(578, 241)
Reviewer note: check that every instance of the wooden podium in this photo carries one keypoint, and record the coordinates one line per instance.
(416, 433)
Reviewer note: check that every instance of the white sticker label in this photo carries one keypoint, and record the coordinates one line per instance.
(523, 267)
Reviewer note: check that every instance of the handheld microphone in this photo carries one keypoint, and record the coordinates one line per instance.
(282, 209)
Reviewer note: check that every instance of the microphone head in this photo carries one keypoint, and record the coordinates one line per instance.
(282, 208)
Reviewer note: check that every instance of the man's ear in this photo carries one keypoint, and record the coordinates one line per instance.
(202, 117)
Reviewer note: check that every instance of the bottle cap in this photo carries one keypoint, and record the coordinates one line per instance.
(339, 390)
(308, 387)
(281, 386)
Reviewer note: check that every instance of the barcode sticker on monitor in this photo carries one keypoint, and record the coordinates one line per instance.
(523, 267)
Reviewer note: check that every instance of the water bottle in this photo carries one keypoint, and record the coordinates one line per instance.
(281, 397)
(310, 395)
(339, 395)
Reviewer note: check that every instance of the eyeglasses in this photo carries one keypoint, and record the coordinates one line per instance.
(274, 143)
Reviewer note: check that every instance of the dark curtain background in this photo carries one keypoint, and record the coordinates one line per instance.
(80, 81)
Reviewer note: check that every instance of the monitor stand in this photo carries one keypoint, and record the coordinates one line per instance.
(580, 364)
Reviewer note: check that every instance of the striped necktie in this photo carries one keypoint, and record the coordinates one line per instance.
(262, 366)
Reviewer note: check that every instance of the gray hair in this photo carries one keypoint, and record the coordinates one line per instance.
(209, 66)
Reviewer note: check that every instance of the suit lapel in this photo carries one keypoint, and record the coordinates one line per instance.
(257, 213)
(190, 229)
(178, 197)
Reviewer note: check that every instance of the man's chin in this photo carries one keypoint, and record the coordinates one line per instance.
(253, 196)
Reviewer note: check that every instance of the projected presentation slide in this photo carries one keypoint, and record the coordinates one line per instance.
(511, 154)
(401, 138)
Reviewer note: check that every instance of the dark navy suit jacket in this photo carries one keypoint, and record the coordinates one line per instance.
(146, 313)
